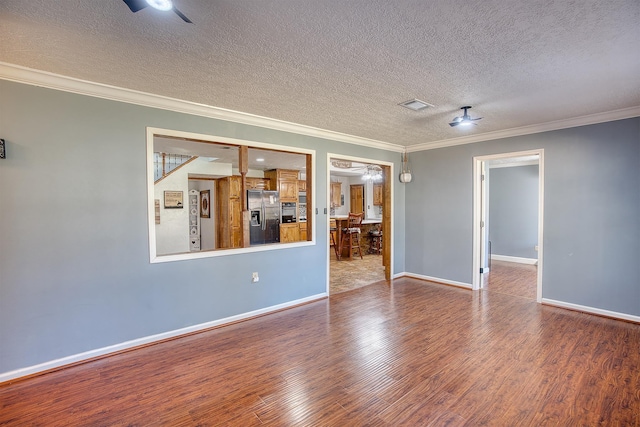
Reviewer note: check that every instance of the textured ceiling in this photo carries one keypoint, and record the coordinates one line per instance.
(345, 65)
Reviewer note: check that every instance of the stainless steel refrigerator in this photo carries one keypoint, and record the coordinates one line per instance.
(264, 206)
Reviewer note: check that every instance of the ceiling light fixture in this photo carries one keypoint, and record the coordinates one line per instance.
(341, 164)
(163, 5)
(260, 159)
(405, 175)
(372, 173)
(465, 120)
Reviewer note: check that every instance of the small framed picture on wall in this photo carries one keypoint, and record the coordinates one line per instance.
(205, 204)
(173, 200)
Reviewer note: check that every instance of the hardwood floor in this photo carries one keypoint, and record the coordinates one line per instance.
(407, 354)
(512, 278)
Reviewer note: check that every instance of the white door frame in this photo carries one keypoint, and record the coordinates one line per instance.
(328, 204)
(478, 203)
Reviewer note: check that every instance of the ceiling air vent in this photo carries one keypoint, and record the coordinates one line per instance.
(415, 104)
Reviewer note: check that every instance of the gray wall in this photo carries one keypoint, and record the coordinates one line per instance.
(74, 259)
(591, 213)
(513, 210)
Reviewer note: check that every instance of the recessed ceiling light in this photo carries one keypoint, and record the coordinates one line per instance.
(415, 104)
(260, 160)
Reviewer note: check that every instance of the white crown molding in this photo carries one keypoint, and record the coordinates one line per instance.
(30, 76)
(609, 116)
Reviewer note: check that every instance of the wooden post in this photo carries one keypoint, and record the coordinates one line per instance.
(243, 166)
(310, 206)
(386, 222)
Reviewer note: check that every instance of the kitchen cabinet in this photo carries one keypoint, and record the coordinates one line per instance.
(303, 231)
(289, 233)
(229, 212)
(288, 191)
(286, 183)
(257, 184)
(377, 194)
(302, 185)
(336, 189)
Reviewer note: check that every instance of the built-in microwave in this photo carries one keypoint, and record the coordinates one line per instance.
(288, 212)
(302, 197)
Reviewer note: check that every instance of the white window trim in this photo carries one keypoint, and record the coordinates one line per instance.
(153, 256)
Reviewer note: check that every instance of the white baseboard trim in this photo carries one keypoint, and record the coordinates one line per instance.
(520, 260)
(68, 360)
(592, 310)
(437, 280)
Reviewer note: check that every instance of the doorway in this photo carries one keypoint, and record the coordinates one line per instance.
(485, 258)
(350, 188)
(356, 195)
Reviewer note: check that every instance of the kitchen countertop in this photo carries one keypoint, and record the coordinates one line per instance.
(364, 221)
(372, 221)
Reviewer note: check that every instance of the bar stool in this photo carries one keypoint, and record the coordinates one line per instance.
(332, 242)
(375, 244)
(351, 235)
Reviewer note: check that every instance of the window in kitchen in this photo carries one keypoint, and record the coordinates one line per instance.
(212, 196)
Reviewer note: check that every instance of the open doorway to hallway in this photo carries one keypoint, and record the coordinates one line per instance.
(361, 186)
(508, 200)
(511, 278)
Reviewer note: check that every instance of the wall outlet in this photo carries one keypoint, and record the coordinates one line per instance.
(254, 277)
(535, 247)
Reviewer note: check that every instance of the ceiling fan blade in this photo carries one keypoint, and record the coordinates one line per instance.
(136, 5)
(182, 15)
(453, 124)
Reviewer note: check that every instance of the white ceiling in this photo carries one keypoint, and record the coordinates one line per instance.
(343, 65)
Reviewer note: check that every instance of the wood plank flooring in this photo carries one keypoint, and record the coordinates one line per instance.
(409, 353)
(512, 278)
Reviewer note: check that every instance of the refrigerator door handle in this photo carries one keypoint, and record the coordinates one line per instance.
(264, 218)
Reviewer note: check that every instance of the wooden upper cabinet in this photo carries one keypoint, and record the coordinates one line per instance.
(286, 183)
(257, 184)
(336, 189)
(288, 174)
(288, 191)
(377, 194)
(302, 185)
